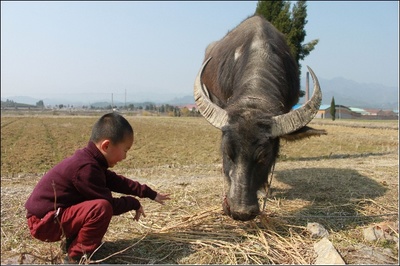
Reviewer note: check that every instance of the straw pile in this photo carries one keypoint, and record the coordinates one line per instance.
(209, 237)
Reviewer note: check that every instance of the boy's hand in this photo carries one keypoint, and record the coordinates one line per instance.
(139, 212)
(160, 198)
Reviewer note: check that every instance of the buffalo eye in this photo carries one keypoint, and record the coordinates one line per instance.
(262, 159)
(261, 155)
(228, 145)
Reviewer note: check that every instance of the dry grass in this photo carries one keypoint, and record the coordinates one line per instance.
(347, 181)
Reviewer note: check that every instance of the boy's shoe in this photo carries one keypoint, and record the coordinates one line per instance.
(68, 260)
(65, 243)
(68, 243)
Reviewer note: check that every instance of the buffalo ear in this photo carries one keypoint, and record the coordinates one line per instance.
(304, 132)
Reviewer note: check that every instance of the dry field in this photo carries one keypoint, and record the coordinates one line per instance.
(347, 181)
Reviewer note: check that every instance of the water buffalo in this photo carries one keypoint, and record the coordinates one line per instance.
(247, 87)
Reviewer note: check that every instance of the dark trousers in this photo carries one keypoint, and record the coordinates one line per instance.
(86, 223)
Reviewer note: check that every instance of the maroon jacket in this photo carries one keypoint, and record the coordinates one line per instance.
(81, 177)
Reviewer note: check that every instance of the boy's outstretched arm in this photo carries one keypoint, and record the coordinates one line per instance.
(160, 198)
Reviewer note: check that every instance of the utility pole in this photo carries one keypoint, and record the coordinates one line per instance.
(112, 102)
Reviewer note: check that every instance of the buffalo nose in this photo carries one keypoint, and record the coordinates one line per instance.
(243, 216)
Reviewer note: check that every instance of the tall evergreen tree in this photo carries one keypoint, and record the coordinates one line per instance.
(333, 109)
(291, 23)
(274, 12)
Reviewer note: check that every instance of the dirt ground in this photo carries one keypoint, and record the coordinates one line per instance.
(347, 181)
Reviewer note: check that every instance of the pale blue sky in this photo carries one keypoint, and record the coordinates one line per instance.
(53, 48)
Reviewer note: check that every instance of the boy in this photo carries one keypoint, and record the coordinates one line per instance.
(74, 198)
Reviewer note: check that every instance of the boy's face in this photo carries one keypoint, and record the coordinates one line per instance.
(115, 153)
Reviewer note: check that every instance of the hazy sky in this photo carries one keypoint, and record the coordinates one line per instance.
(52, 48)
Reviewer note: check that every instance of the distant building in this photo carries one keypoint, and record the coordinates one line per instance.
(190, 107)
(323, 110)
(342, 112)
(371, 111)
(359, 110)
(388, 113)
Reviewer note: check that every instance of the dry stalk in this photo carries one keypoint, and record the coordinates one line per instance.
(2, 231)
(188, 220)
(55, 209)
(116, 253)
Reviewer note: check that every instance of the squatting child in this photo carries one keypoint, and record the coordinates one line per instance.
(74, 198)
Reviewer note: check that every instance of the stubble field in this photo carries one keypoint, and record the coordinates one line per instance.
(347, 181)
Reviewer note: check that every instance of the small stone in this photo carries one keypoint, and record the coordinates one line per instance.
(326, 253)
(382, 231)
(371, 234)
(362, 254)
(317, 230)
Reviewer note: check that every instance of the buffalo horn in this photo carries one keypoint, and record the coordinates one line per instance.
(296, 119)
(214, 114)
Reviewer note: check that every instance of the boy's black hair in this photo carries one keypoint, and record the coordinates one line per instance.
(111, 126)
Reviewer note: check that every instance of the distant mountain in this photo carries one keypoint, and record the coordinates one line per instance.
(350, 93)
(189, 99)
(346, 92)
(83, 99)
